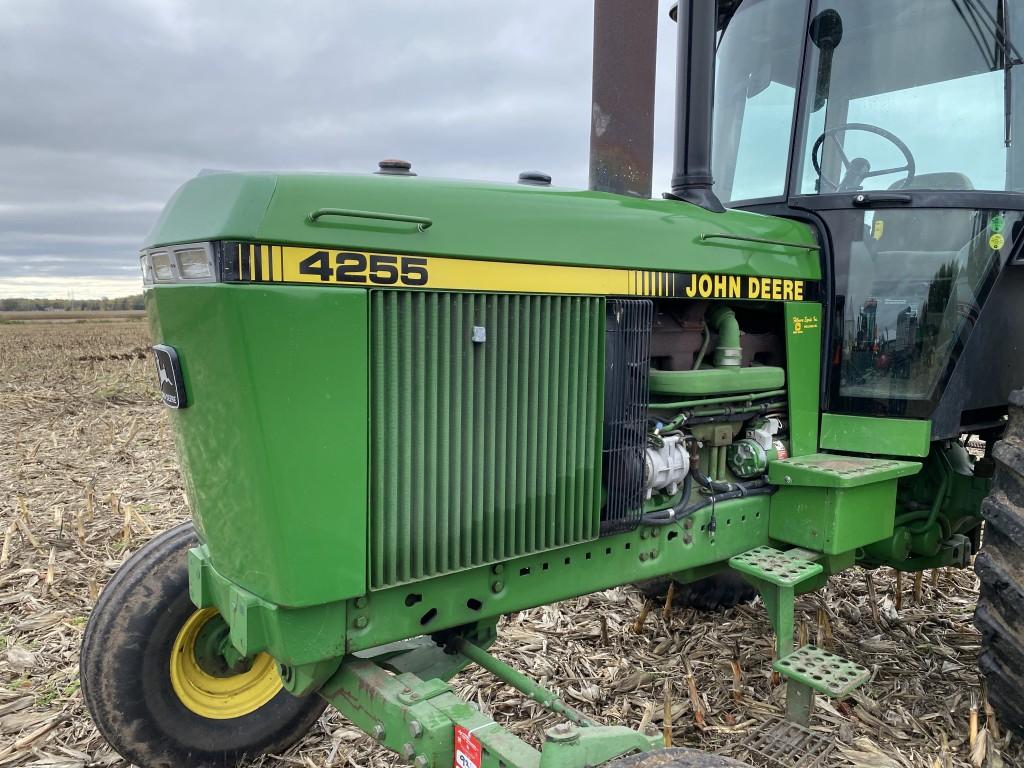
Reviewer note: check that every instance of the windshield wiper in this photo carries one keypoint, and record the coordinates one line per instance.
(1005, 57)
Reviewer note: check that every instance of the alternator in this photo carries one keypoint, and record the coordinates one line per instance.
(666, 467)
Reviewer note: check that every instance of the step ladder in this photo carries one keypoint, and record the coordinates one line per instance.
(776, 574)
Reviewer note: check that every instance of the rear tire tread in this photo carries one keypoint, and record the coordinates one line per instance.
(1000, 568)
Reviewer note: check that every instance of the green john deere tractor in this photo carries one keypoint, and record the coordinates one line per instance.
(406, 407)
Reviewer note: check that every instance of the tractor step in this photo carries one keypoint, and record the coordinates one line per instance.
(822, 671)
(775, 566)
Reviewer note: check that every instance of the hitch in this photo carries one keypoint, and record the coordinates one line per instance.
(422, 719)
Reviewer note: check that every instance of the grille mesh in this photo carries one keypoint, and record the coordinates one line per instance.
(481, 450)
(627, 366)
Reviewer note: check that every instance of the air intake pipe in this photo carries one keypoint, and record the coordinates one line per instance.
(695, 96)
(728, 353)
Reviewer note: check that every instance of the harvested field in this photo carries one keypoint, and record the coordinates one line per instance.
(88, 473)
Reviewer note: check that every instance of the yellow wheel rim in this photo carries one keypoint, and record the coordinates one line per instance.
(210, 696)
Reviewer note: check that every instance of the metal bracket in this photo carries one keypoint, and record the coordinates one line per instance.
(417, 718)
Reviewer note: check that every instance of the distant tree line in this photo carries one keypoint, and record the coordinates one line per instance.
(71, 305)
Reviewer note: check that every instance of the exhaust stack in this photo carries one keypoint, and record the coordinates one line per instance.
(695, 97)
(622, 100)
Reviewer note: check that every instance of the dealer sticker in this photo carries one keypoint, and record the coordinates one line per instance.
(468, 751)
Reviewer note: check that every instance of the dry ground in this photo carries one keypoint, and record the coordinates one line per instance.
(88, 473)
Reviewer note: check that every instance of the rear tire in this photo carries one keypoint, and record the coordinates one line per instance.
(1000, 567)
(126, 665)
(713, 593)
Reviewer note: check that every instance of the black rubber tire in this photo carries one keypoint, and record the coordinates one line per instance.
(1000, 567)
(714, 593)
(675, 757)
(126, 680)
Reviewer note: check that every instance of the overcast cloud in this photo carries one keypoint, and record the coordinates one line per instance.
(109, 106)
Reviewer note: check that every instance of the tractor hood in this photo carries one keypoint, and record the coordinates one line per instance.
(492, 222)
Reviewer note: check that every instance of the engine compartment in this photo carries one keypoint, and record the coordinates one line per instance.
(714, 410)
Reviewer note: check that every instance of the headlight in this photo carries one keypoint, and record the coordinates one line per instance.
(163, 267)
(194, 264)
(186, 263)
(147, 269)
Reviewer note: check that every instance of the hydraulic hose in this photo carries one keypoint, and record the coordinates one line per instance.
(713, 485)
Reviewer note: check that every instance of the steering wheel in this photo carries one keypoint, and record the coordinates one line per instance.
(858, 169)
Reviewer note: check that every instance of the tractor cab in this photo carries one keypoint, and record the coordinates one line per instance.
(895, 130)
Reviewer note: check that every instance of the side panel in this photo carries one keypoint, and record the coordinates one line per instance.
(803, 362)
(869, 434)
(273, 443)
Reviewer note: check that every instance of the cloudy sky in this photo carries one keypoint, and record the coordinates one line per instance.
(108, 106)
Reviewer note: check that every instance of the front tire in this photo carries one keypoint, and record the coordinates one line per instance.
(712, 593)
(151, 700)
(1000, 568)
(675, 757)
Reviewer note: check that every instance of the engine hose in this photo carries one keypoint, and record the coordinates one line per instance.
(681, 512)
(712, 485)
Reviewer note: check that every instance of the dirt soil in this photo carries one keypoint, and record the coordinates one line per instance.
(88, 473)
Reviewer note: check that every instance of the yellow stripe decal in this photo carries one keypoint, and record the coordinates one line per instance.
(356, 269)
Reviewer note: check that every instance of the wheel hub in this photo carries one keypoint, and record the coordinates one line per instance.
(211, 678)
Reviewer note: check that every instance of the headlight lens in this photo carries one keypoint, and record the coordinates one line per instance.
(147, 269)
(193, 264)
(163, 267)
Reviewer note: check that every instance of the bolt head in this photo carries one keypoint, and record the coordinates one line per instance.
(378, 732)
(421, 761)
(361, 602)
(562, 732)
(497, 586)
(687, 539)
(498, 568)
(643, 557)
(415, 729)
(361, 622)
(408, 751)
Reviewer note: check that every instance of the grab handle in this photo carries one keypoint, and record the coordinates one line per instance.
(422, 223)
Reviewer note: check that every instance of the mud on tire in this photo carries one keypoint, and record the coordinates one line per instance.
(675, 757)
(1000, 567)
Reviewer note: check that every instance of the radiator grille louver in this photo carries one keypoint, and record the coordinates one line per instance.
(627, 367)
(486, 450)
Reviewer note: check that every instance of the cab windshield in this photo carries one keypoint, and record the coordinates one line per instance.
(917, 94)
(830, 104)
(921, 94)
